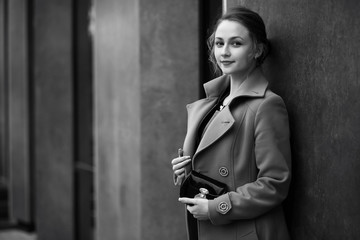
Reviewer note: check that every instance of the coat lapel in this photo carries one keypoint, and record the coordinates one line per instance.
(219, 126)
(254, 86)
(196, 112)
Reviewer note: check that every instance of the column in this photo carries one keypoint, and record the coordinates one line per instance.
(53, 119)
(146, 70)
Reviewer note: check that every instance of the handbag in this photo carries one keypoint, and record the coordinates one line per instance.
(192, 184)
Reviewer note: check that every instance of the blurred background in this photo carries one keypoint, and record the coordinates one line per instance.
(92, 110)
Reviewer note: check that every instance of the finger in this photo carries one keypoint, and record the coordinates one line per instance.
(182, 164)
(179, 171)
(181, 175)
(179, 179)
(187, 200)
(200, 218)
(179, 159)
(190, 209)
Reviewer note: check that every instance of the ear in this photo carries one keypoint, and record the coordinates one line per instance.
(259, 49)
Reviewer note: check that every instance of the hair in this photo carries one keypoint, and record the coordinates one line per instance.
(254, 24)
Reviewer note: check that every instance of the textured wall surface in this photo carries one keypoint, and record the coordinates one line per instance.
(18, 112)
(315, 67)
(146, 70)
(117, 122)
(169, 80)
(53, 120)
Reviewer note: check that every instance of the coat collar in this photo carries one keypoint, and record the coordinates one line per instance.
(254, 86)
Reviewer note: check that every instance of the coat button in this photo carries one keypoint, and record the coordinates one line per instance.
(223, 171)
(223, 207)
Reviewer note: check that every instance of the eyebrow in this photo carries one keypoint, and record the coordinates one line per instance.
(232, 38)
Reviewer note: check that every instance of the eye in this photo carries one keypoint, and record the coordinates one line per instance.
(219, 43)
(236, 43)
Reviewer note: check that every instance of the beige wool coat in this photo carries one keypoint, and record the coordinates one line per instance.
(246, 146)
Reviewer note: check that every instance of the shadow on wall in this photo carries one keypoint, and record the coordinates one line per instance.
(276, 68)
(314, 67)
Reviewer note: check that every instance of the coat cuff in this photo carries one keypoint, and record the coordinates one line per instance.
(219, 209)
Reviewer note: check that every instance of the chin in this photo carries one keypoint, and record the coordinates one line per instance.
(226, 72)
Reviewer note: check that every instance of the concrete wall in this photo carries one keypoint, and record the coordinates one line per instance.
(146, 70)
(16, 72)
(315, 67)
(52, 117)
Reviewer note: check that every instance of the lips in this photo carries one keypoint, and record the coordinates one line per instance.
(225, 62)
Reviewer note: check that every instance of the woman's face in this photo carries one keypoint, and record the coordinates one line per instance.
(233, 48)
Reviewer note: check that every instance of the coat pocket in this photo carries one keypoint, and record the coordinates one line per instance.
(249, 236)
(246, 230)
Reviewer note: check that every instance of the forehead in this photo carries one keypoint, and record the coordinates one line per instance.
(230, 29)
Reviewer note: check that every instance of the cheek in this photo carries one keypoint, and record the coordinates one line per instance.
(216, 54)
(250, 53)
(246, 55)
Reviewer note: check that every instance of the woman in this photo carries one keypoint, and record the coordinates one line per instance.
(238, 135)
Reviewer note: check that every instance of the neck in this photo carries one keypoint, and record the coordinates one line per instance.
(237, 79)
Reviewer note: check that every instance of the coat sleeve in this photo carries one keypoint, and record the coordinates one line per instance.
(273, 160)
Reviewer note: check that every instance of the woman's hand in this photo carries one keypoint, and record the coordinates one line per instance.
(199, 208)
(178, 165)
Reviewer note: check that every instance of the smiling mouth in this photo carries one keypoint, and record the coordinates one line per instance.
(226, 62)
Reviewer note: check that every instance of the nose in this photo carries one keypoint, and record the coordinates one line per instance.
(225, 50)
